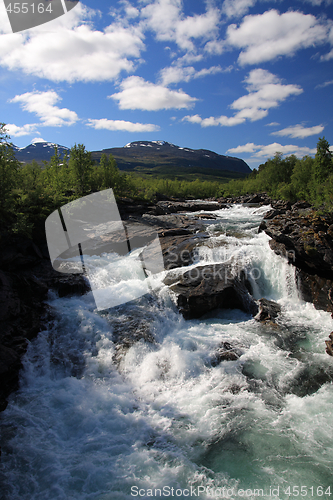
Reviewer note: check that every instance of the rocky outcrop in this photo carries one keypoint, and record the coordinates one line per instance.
(204, 288)
(305, 238)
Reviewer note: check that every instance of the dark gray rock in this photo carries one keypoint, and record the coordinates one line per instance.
(315, 289)
(268, 310)
(305, 238)
(205, 288)
(170, 207)
(225, 352)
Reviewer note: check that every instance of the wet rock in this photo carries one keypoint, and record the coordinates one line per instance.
(129, 330)
(179, 251)
(169, 207)
(268, 310)
(329, 345)
(225, 352)
(205, 288)
(315, 289)
(307, 236)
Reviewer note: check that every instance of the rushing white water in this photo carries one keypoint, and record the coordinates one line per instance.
(92, 421)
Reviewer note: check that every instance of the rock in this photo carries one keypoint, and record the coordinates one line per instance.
(169, 207)
(179, 251)
(305, 238)
(127, 331)
(225, 352)
(205, 288)
(268, 310)
(329, 345)
(315, 289)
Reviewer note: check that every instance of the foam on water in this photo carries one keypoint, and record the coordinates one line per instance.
(87, 424)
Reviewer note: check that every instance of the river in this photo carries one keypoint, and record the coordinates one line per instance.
(162, 419)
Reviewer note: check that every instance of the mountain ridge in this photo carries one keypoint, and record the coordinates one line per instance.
(151, 158)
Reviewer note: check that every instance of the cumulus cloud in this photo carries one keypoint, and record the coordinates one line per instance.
(299, 132)
(16, 131)
(265, 37)
(265, 91)
(137, 93)
(237, 8)
(176, 74)
(43, 104)
(121, 125)
(166, 19)
(268, 151)
(71, 50)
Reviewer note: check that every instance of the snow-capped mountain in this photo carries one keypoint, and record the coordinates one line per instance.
(157, 153)
(39, 151)
(157, 156)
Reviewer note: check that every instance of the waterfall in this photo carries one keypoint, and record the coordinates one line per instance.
(129, 402)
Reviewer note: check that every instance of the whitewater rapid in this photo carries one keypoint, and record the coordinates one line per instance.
(160, 419)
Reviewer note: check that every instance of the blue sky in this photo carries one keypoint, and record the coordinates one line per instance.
(245, 78)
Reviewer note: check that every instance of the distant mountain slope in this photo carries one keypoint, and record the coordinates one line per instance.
(39, 151)
(153, 159)
(154, 154)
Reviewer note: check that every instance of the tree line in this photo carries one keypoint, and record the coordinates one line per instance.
(291, 178)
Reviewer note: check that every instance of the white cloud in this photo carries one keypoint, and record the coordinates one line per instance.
(298, 131)
(237, 8)
(265, 91)
(166, 19)
(121, 125)
(71, 50)
(176, 74)
(16, 131)
(43, 105)
(136, 93)
(329, 56)
(37, 139)
(272, 124)
(265, 37)
(319, 2)
(269, 151)
(325, 84)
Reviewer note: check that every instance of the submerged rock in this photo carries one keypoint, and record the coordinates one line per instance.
(205, 288)
(225, 352)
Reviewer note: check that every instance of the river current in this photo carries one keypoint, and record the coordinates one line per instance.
(161, 419)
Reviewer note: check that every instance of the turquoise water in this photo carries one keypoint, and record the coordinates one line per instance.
(160, 419)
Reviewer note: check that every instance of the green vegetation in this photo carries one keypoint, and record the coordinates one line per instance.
(29, 193)
(308, 179)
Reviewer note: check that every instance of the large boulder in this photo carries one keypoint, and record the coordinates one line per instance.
(204, 288)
